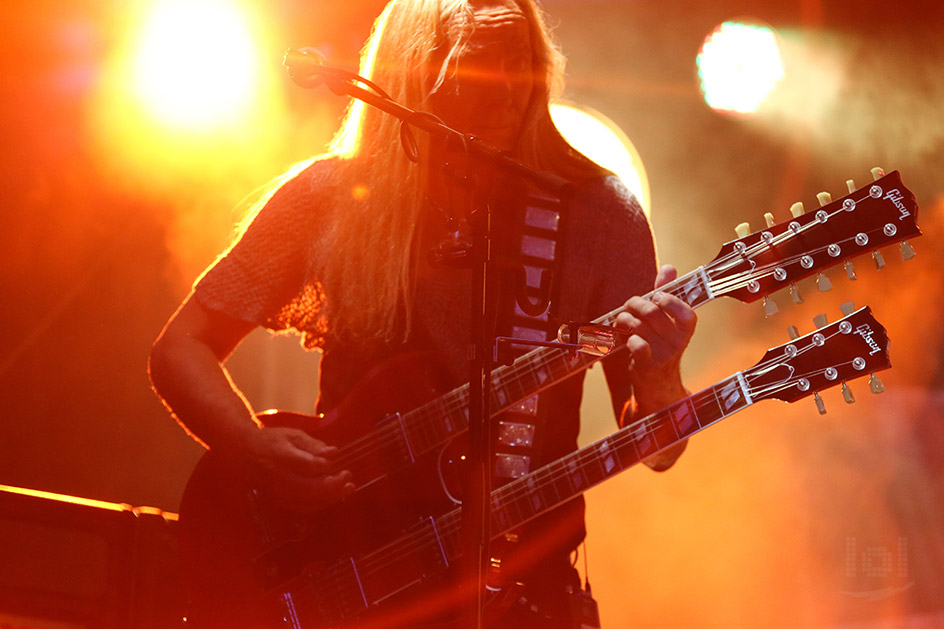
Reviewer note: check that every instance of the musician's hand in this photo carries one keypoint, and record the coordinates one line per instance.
(660, 330)
(296, 470)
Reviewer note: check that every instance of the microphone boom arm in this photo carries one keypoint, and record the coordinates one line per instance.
(306, 69)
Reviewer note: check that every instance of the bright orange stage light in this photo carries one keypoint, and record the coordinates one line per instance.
(195, 63)
(190, 97)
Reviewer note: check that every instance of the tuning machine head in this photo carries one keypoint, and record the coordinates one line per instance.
(770, 307)
(907, 251)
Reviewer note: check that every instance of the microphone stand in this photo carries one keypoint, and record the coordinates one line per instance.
(307, 70)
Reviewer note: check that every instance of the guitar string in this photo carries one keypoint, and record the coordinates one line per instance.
(653, 423)
(394, 552)
(592, 452)
(811, 225)
(369, 446)
(666, 288)
(656, 425)
(732, 283)
(723, 263)
(734, 258)
(366, 448)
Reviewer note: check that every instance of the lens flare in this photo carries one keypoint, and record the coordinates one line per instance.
(738, 67)
(195, 63)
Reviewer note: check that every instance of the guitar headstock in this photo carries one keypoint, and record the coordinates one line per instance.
(763, 262)
(854, 346)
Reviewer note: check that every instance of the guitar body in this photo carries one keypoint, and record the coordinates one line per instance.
(239, 551)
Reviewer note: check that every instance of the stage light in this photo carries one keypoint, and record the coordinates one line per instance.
(598, 137)
(739, 65)
(195, 64)
(190, 96)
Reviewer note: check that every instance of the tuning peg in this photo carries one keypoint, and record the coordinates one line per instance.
(796, 210)
(875, 385)
(877, 173)
(879, 259)
(850, 270)
(771, 221)
(820, 406)
(847, 308)
(822, 283)
(907, 251)
(847, 394)
(795, 294)
(824, 198)
(820, 321)
(770, 307)
(793, 332)
(850, 184)
(743, 230)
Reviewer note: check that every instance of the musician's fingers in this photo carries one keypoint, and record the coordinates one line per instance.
(306, 494)
(658, 330)
(640, 352)
(682, 315)
(646, 318)
(667, 273)
(308, 455)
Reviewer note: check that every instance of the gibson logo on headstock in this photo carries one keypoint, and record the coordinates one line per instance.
(866, 333)
(897, 199)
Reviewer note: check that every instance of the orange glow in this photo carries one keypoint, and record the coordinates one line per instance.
(191, 94)
(86, 502)
(360, 192)
(195, 63)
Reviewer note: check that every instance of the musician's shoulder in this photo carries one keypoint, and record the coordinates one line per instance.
(608, 197)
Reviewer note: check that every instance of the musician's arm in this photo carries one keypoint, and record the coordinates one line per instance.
(187, 372)
(627, 410)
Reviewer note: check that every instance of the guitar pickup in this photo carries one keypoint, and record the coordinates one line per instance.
(511, 465)
(515, 434)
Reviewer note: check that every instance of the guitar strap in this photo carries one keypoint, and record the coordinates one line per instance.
(528, 232)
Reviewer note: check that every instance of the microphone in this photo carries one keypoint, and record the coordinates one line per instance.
(306, 66)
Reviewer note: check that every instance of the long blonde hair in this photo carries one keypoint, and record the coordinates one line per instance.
(365, 261)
